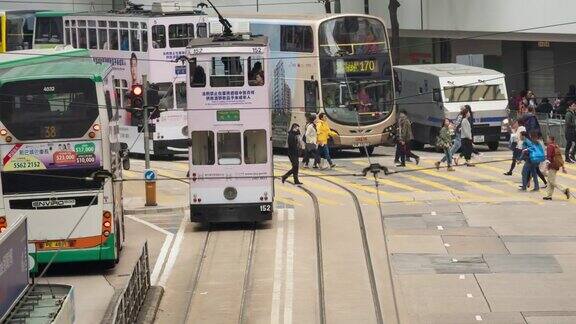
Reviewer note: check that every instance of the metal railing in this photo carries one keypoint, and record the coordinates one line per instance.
(134, 294)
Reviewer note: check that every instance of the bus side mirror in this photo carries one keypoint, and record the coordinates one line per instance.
(437, 95)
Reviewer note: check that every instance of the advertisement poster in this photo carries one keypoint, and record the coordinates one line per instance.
(50, 156)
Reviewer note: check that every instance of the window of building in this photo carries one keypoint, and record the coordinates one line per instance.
(158, 36)
(227, 72)
(180, 35)
(255, 71)
(114, 39)
(201, 30)
(296, 39)
(202, 148)
(135, 40)
(229, 148)
(255, 146)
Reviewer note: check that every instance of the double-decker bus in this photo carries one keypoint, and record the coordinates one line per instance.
(231, 160)
(49, 29)
(16, 30)
(61, 159)
(337, 64)
(143, 42)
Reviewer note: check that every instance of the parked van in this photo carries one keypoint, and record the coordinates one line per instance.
(430, 93)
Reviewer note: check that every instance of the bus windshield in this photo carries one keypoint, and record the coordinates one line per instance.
(355, 70)
(481, 92)
(49, 30)
(48, 109)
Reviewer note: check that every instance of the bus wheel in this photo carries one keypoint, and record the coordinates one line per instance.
(366, 150)
(493, 146)
(126, 163)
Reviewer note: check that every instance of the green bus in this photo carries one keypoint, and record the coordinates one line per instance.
(61, 158)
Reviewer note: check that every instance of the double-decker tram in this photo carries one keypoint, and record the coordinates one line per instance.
(61, 159)
(231, 161)
(337, 64)
(139, 43)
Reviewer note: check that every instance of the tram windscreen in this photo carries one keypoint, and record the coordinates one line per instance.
(49, 108)
(49, 30)
(356, 74)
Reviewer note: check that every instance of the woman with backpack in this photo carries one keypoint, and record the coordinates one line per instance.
(555, 163)
(534, 153)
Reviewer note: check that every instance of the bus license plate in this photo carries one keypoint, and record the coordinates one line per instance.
(56, 244)
(479, 139)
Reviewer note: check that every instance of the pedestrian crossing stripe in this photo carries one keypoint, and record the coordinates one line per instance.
(301, 193)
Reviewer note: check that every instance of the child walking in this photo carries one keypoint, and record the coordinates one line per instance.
(444, 142)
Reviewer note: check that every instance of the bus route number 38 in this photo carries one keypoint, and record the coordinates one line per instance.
(265, 208)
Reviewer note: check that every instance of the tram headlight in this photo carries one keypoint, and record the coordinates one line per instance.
(3, 132)
(230, 193)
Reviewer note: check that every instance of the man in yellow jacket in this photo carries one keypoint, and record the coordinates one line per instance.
(324, 132)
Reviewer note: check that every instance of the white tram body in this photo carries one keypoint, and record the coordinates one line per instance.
(229, 122)
(143, 42)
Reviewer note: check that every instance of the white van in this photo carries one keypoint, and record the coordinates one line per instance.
(430, 93)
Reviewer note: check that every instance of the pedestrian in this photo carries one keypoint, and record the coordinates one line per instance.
(466, 135)
(444, 142)
(293, 153)
(457, 143)
(555, 163)
(405, 139)
(516, 144)
(545, 107)
(310, 142)
(471, 120)
(323, 134)
(537, 138)
(531, 121)
(534, 155)
(570, 128)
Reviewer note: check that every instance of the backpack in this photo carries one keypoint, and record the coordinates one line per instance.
(537, 154)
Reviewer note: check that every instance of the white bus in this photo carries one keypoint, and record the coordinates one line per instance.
(231, 160)
(60, 151)
(336, 64)
(139, 42)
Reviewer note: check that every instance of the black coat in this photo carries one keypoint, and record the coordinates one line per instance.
(293, 144)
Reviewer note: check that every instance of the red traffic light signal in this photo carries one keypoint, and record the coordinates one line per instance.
(136, 96)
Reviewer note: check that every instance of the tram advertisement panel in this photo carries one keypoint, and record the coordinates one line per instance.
(51, 156)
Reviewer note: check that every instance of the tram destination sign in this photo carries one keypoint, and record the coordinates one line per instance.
(228, 115)
(360, 66)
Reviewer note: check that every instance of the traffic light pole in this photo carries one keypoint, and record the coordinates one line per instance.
(150, 184)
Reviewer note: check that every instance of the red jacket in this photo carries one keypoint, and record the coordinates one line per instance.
(550, 152)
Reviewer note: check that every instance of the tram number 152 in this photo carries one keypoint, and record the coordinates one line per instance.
(265, 208)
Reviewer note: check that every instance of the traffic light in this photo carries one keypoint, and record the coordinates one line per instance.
(137, 96)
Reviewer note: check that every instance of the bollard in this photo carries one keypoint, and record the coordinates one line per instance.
(150, 183)
(151, 193)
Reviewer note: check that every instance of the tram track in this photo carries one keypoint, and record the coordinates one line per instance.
(212, 237)
(203, 255)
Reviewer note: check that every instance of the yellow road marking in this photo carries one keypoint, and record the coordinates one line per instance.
(303, 194)
(287, 201)
(389, 182)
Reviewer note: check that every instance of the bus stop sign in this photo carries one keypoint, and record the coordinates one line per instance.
(149, 175)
